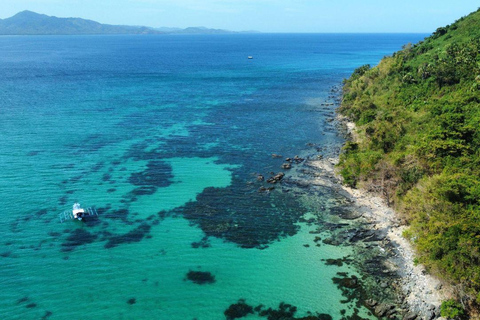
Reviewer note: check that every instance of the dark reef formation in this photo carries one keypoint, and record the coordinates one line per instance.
(200, 277)
(251, 222)
(135, 235)
(76, 238)
(238, 310)
(284, 311)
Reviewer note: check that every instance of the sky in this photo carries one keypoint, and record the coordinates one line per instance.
(405, 16)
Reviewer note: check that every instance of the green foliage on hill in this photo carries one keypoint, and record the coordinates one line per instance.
(451, 309)
(418, 120)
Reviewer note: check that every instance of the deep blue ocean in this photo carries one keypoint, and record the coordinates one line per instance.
(168, 137)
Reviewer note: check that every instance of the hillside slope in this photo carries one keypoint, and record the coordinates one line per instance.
(418, 120)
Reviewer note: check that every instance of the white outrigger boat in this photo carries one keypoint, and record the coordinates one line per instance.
(77, 213)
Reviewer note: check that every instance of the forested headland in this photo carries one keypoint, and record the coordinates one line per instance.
(417, 116)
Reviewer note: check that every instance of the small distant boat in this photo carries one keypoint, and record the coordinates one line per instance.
(250, 57)
(77, 213)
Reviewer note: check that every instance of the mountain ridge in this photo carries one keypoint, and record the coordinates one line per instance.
(31, 23)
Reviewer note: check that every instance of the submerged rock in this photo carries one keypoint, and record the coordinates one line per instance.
(297, 159)
(411, 315)
(346, 213)
(22, 300)
(338, 262)
(204, 243)
(136, 235)
(284, 311)
(252, 221)
(367, 236)
(158, 174)
(200, 277)
(276, 178)
(76, 238)
(287, 166)
(238, 310)
(382, 310)
(264, 189)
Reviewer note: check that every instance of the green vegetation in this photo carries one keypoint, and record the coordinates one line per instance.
(418, 120)
(451, 309)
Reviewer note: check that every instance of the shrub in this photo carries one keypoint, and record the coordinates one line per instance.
(360, 71)
(451, 309)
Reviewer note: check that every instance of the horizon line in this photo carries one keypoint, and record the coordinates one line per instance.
(219, 34)
(221, 28)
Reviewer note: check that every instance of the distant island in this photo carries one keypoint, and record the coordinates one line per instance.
(32, 23)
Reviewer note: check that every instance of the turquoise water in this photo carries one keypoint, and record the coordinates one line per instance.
(165, 136)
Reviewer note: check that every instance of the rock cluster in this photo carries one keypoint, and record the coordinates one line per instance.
(276, 178)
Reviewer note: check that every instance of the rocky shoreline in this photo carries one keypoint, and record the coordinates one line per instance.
(407, 291)
(420, 294)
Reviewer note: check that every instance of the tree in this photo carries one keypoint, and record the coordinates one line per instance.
(452, 309)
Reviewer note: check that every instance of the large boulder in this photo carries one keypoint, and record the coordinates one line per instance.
(383, 310)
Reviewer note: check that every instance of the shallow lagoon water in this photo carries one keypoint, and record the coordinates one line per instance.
(166, 135)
